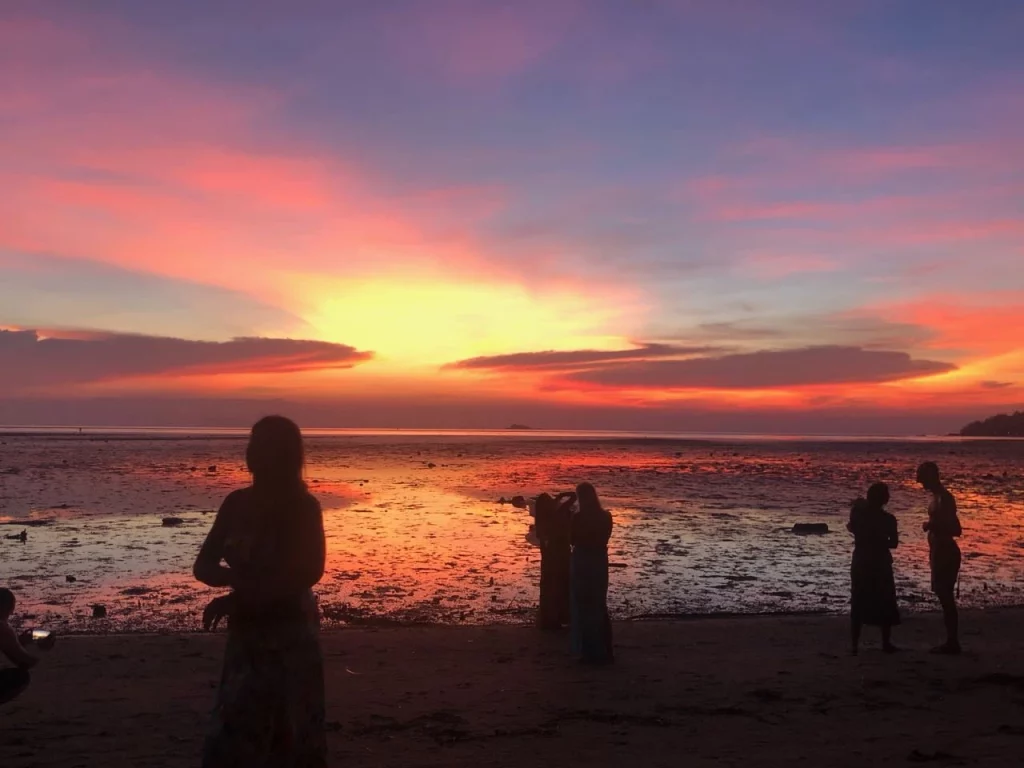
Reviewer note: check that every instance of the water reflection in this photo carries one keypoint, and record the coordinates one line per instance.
(415, 532)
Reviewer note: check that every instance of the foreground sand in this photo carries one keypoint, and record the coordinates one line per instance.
(747, 691)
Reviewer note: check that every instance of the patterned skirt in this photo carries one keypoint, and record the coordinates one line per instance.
(270, 707)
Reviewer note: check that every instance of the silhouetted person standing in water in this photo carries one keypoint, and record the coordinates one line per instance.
(554, 517)
(270, 708)
(873, 584)
(943, 526)
(591, 625)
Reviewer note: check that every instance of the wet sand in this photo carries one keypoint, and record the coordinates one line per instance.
(749, 691)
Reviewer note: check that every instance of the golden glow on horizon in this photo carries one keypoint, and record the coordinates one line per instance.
(427, 324)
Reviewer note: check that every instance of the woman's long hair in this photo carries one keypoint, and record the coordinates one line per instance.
(276, 458)
(589, 503)
(878, 495)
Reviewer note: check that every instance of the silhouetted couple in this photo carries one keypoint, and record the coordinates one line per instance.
(873, 585)
(574, 570)
(270, 537)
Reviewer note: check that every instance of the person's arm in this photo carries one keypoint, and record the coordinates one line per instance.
(208, 568)
(300, 564)
(566, 507)
(893, 538)
(11, 648)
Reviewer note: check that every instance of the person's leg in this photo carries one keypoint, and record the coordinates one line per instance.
(951, 618)
(887, 645)
(12, 683)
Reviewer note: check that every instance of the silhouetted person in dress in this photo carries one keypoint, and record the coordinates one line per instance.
(553, 526)
(591, 625)
(943, 527)
(873, 585)
(270, 537)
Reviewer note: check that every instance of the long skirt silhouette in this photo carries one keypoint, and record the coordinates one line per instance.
(270, 706)
(874, 589)
(591, 627)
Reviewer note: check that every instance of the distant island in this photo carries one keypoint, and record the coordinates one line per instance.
(1000, 425)
(520, 426)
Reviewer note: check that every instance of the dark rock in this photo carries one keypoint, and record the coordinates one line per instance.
(170, 522)
(70, 579)
(212, 468)
(519, 502)
(503, 500)
(805, 529)
(431, 465)
(99, 611)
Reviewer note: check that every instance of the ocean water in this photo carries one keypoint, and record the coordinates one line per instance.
(416, 533)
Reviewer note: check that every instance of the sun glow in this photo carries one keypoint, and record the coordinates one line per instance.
(412, 324)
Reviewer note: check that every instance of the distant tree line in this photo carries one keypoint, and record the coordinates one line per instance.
(1001, 425)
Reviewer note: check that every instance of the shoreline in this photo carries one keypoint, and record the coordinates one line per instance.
(383, 622)
(723, 691)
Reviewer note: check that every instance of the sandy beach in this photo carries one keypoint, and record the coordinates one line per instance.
(747, 691)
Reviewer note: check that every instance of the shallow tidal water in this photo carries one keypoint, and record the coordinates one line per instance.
(416, 533)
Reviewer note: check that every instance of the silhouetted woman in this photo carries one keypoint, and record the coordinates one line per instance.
(591, 626)
(270, 707)
(873, 584)
(554, 518)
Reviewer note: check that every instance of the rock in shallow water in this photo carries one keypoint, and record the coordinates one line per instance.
(804, 529)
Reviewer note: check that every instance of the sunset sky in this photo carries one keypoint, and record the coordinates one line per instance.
(632, 214)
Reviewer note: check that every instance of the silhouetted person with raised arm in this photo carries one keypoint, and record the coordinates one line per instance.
(591, 625)
(270, 537)
(873, 585)
(943, 526)
(553, 525)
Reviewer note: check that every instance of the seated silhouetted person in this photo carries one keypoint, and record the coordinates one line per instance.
(12, 680)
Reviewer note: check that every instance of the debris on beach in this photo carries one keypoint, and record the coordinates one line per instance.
(70, 579)
(170, 522)
(99, 611)
(212, 468)
(805, 529)
(22, 537)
